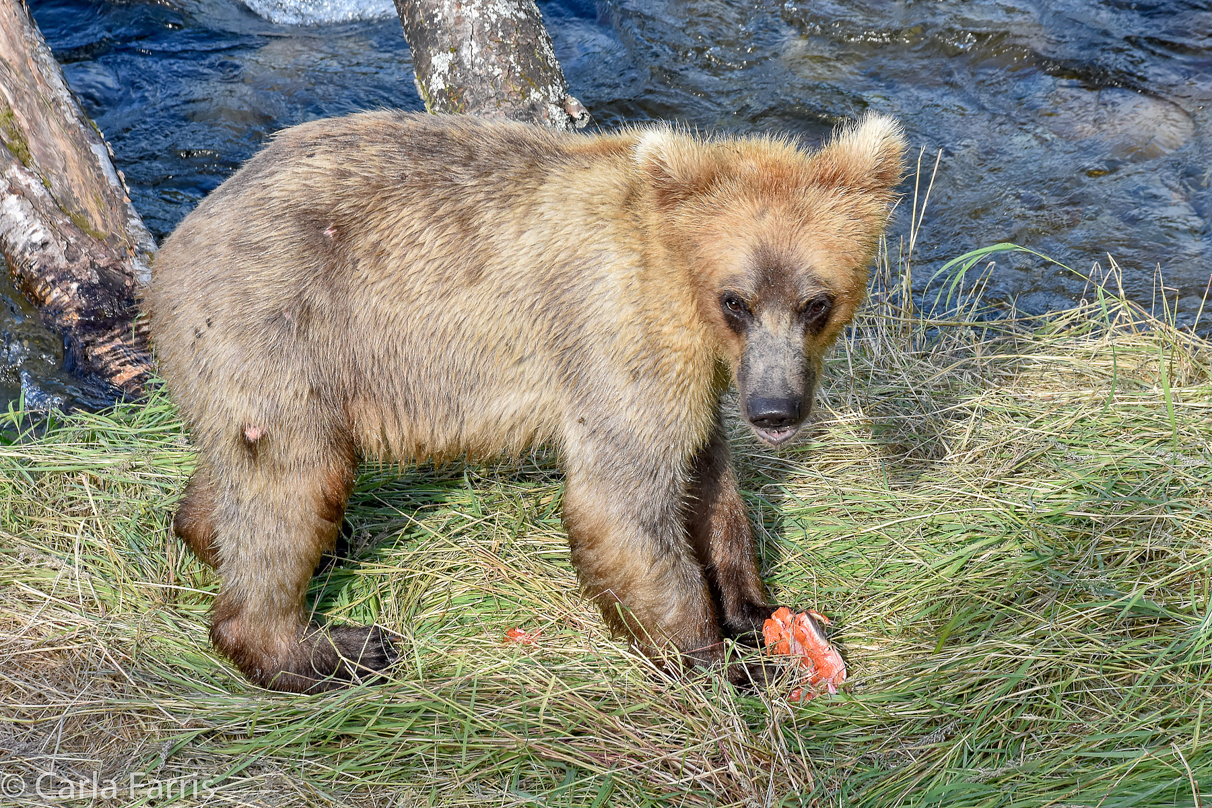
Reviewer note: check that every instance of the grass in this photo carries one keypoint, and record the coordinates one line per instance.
(1008, 520)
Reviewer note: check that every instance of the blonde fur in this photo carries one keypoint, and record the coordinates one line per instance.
(408, 287)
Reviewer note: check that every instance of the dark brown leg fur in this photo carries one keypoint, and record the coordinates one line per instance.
(194, 522)
(281, 514)
(723, 539)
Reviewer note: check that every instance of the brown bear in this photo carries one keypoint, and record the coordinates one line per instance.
(407, 287)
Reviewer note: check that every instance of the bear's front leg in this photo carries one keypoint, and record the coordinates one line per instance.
(719, 529)
(625, 524)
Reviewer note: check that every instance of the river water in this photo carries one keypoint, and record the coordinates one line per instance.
(1079, 129)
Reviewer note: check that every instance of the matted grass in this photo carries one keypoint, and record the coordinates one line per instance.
(1008, 520)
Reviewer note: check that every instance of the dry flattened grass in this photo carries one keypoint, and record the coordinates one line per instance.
(1008, 519)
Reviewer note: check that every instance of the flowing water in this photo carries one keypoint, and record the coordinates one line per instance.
(1079, 129)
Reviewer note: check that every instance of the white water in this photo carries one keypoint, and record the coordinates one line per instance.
(320, 12)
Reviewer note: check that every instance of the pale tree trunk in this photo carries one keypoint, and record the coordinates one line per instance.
(491, 58)
(73, 242)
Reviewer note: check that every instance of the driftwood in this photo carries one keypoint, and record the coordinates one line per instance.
(73, 242)
(491, 58)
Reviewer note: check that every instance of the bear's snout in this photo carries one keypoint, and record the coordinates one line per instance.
(776, 420)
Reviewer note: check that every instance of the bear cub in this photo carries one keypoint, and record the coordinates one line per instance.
(406, 287)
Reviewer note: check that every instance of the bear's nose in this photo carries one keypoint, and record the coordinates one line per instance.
(773, 413)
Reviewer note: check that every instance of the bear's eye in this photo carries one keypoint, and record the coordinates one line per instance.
(816, 310)
(734, 304)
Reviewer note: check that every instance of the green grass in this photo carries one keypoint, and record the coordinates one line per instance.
(1008, 521)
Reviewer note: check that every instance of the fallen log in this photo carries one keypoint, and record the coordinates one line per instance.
(73, 242)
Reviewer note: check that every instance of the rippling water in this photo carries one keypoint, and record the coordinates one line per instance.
(1075, 128)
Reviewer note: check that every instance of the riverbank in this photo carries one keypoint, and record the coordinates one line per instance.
(1008, 520)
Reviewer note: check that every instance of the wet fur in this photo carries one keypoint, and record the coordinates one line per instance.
(406, 287)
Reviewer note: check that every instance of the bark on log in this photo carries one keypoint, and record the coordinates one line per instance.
(491, 58)
(73, 242)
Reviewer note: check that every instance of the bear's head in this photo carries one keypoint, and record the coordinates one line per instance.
(775, 243)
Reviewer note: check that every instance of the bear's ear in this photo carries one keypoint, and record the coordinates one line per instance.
(864, 156)
(676, 166)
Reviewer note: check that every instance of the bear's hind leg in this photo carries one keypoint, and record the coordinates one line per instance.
(194, 522)
(277, 516)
